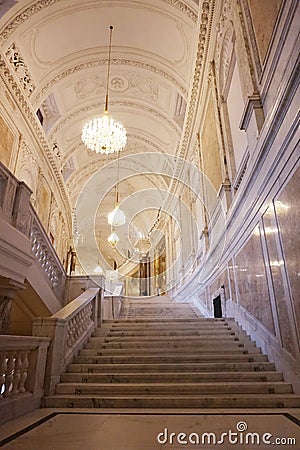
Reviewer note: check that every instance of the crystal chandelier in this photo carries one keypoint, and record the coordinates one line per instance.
(103, 135)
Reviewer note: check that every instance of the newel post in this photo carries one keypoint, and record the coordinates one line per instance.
(54, 328)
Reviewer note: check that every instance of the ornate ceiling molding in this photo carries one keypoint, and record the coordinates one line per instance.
(124, 104)
(39, 5)
(205, 24)
(183, 7)
(42, 94)
(18, 64)
(24, 15)
(30, 118)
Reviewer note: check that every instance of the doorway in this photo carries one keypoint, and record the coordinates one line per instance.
(217, 307)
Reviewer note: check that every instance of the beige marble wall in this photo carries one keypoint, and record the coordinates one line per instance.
(210, 147)
(287, 206)
(6, 142)
(43, 203)
(222, 280)
(264, 14)
(277, 270)
(252, 285)
(231, 271)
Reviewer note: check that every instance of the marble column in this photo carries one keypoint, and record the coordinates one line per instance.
(8, 290)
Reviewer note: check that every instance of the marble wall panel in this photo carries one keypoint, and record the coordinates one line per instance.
(231, 272)
(287, 206)
(43, 198)
(253, 292)
(6, 142)
(264, 14)
(277, 271)
(210, 147)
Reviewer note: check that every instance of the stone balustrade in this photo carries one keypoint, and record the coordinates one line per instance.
(22, 371)
(17, 211)
(43, 250)
(68, 329)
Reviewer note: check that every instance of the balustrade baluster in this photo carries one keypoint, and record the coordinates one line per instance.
(3, 370)
(9, 377)
(24, 370)
(17, 373)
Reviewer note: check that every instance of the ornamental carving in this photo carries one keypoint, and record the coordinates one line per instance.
(203, 37)
(16, 60)
(26, 110)
(134, 84)
(225, 57)
(121, 62)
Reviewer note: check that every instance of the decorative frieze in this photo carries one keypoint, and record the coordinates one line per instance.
(79, 68)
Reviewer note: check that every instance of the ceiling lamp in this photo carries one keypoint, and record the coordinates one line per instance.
(104, 135)
(98, 269)
(113, 239)
(116, 218)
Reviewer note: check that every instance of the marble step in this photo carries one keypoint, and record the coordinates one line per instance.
(162, 334)
(160, 368)
(165, 350)
(141, 320)
(188, 345)
(155, 359)
(170, 325)
(178, 401)
(170, 377)
(170, 328)
(114, 389)
(228, 337)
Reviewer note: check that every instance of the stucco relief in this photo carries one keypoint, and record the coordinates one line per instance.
(17, 61)
(27, 168)
(225, 57)
(136, 85)
(39, 96)
(89, 87)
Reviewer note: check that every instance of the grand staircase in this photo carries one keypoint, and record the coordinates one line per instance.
(161, 354)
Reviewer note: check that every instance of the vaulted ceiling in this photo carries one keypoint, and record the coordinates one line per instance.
(64, 47)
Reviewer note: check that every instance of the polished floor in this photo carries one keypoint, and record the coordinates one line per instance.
(48, 429)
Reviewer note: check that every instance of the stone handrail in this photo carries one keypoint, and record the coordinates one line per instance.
(69, 328)
(44, 251)
(16, 209)
(22, 371)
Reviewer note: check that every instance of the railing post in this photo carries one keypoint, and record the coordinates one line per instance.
(36, 363)
(55, 329)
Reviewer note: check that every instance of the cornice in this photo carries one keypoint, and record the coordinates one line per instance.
(30, 118)
(24, 15)
(41, 94)
(204, 27)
